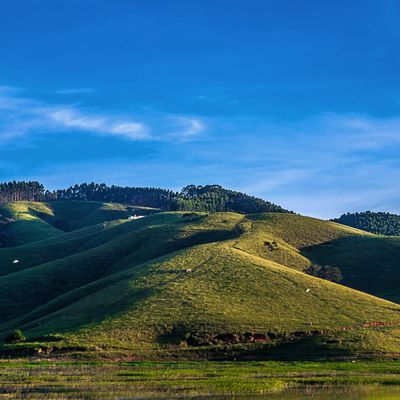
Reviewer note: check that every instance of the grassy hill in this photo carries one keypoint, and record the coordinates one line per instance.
(25, 222)
(368, 262)
(197, 285)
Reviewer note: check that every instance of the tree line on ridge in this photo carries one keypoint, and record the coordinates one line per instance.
(208, 198)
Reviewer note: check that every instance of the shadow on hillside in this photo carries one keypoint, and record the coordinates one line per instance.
(55, 316)
(96, 275)
(304, 349)
(72, 215)
(204, 237)
(41, 215)
(67, 216)
(369, 264)
(308, 348)
(109, 257)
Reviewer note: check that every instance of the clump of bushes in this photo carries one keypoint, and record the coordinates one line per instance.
(209, 339)
(271, 246)
(189, 215)
(192, 216)
(327, 272)
(15, 337)
(200, 338)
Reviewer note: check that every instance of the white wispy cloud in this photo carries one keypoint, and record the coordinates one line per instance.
(23, 116)
(188, 127)
(74, 119)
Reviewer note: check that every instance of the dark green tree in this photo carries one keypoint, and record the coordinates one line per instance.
(382, 223)
(15, 337)
(209, 198)
(327, 272)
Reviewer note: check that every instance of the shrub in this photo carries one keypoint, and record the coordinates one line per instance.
(15, 337)
(271, 246)
(327, 272)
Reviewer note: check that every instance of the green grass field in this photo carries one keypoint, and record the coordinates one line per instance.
(204, 286)
(78, 380)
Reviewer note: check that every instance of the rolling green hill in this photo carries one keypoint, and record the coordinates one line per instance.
(195, 284)
(24, 222)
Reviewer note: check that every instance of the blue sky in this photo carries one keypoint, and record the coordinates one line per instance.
(297, 102)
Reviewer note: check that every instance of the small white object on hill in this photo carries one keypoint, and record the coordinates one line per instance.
(15, 261)
(308, 290)
(131, 217)
(187, 270)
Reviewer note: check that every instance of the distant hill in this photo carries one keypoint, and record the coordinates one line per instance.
(381, 223)
(194, 284)
(209, 198)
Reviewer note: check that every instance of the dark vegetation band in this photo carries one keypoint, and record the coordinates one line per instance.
(209, 198)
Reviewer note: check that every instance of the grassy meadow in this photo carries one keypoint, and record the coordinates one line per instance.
(139, 380)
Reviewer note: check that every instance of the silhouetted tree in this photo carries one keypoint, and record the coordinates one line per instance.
(21, 191)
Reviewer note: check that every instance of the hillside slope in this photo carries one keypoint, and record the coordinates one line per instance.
(197, 283)
(368, 262)
(228, 292)
(25, 222)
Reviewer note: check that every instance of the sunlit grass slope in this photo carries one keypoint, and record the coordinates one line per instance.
(178, 281)
(27, 222)
(109, 251)
(33, 221)
(368, 262)
(292, 234)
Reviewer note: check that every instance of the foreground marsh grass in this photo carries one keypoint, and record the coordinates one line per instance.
(73, 380)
